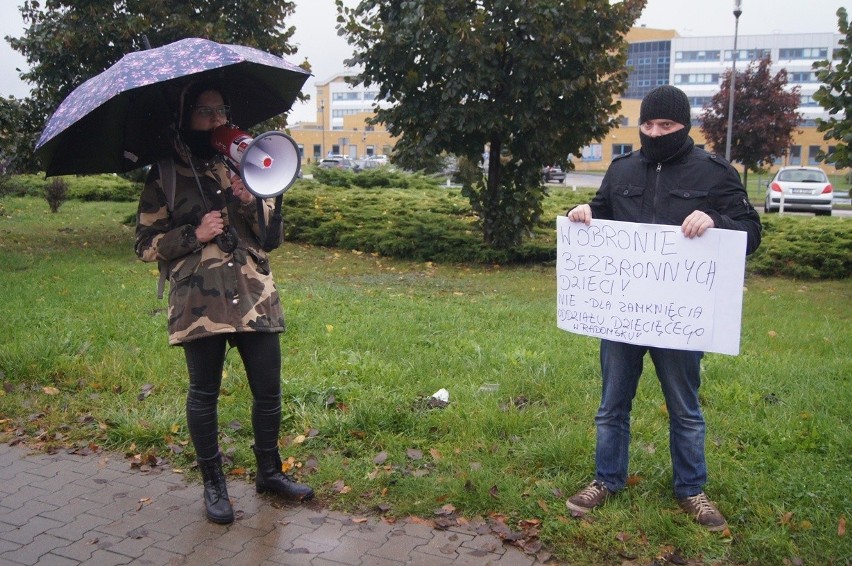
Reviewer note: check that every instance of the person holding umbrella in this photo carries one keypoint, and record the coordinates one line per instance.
(199, 220)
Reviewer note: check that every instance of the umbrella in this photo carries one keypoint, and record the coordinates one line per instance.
(120, 119)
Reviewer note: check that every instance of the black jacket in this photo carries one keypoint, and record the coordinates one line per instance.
(637, 190)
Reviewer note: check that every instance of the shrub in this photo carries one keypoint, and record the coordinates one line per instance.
(436, 224)
(412, 216)
(804, 248)
(377, 177)
(107, 187)
(56, 192)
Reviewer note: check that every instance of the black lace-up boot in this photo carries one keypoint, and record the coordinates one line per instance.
(271, 478)
(216, 501)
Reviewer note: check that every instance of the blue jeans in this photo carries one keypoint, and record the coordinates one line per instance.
(679, 375)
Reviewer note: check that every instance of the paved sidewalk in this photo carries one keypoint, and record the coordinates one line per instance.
(67, 509)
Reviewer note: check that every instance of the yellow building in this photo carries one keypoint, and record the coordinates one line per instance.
(696, 65)
(341, 127)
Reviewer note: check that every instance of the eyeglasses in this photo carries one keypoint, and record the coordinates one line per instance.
(209, 111)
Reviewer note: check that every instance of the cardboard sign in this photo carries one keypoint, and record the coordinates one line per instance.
(650, 285)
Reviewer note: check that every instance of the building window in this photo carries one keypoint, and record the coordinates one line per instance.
(803, 77)
(621, 149)
(687, 56)
(803, 53)
(795, 155)
(335, 149)
(623, 121)
(371, 150)
(700, 101)
(812, 154)
(748, 54)
(697, 79)
(340, 113)
(593, 152)
(317, 151)
(346, 96)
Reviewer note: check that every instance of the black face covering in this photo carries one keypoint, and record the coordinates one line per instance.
(198, 142)
(663, 148)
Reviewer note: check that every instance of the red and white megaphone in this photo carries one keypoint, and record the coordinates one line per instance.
(269, 164)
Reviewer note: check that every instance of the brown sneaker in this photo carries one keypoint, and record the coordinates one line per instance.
(704, 512)
(588, 498)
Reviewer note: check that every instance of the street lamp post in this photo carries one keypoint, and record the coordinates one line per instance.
(738, 9)
(322, 125)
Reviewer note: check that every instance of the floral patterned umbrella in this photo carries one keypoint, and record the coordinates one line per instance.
(120, 119)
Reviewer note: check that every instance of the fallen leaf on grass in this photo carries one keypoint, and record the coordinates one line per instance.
(841, 526)
(311, 465)
(340, 487)
(50, 390)
(543, 505)
(634, 479)
(145, 391)
(447, 509)
(380, 458)
(414, 454)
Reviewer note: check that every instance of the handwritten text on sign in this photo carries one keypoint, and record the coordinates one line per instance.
(648, 284)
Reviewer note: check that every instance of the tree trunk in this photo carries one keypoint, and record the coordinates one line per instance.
(491, 198)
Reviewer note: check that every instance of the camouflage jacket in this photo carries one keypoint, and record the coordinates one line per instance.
(211, 291)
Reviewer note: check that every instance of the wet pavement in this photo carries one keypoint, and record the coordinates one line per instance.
(70, 509)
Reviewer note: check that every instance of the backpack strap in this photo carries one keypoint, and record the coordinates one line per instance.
(168, 182)
(270, 236)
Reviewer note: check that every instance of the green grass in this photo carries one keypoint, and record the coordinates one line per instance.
(370, 339)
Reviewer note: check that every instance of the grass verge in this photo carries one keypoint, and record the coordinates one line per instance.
(85, 363)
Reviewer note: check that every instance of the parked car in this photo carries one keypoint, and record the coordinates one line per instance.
(552, 173)
(343, 163)
(803, 189)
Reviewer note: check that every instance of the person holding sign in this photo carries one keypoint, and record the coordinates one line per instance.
(670, 182)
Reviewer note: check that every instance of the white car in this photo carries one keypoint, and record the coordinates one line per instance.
(801, 189)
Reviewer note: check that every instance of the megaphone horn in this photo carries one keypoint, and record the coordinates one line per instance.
(269, 164)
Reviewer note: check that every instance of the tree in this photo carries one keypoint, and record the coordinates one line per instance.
(765, 117)
(18, 134)
(67, 42)
(534, 80)
(835, 95)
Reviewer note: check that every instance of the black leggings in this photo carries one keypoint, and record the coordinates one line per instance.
(205, 359)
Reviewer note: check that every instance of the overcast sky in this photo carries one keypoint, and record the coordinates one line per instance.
(317, 39)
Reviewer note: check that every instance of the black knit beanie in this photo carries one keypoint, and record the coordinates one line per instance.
(666, 102)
